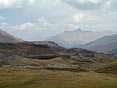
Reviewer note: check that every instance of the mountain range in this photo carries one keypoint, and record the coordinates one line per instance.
(74, 39)
(106, 44)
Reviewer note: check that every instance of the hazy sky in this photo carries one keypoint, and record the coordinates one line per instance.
(40, 19)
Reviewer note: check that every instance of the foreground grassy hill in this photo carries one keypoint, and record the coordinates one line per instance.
(112, 68)
(39, 78)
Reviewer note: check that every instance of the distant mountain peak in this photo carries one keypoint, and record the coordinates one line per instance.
(79, 29)
(76, 38)
(66, 31)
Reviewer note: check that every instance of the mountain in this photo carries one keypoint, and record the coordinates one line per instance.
(107, 44)
(15, 54)
(74, 39)
(7, 38)
(34, 49)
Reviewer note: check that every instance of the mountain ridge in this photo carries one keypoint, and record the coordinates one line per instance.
(76, 38)
(105, 44)
(8, 38)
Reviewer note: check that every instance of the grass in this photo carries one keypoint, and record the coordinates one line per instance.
(83, 61)
(40, 78)
(112, 68)
(36, 62)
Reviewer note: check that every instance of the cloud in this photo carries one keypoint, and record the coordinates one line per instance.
(24, 26)
(90, 21)
(92, 4)
(46, 18)
(85, 4)
(2, 18)
(44, 23)
(43, 20)
(78, 16)
(15, 3)
(6, 3)
(111, 4)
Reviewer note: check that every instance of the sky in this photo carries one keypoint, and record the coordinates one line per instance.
(39, 19)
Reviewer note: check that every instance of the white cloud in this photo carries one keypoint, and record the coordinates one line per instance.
(43, 20)
(6, 3)
(112, 4)
(78, 16)
(2, 18)
(24, 26)
(92, 4)
(15, 3)
(79, 4)
(45, 24)
(107, 21)
(85, 4)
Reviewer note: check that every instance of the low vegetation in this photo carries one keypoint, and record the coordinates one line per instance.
(38, 65)
(112, 68)
(40, 78)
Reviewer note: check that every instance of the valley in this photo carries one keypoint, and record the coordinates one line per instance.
(58, 43)
(45, 64)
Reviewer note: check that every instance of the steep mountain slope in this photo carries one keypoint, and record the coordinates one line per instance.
(7, 38)
(74, 39)
(107, 44)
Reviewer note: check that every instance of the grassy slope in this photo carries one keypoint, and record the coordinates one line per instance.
(41, 78)
(79, 64)
(112, 68)
(36, 78)
(37, 62)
